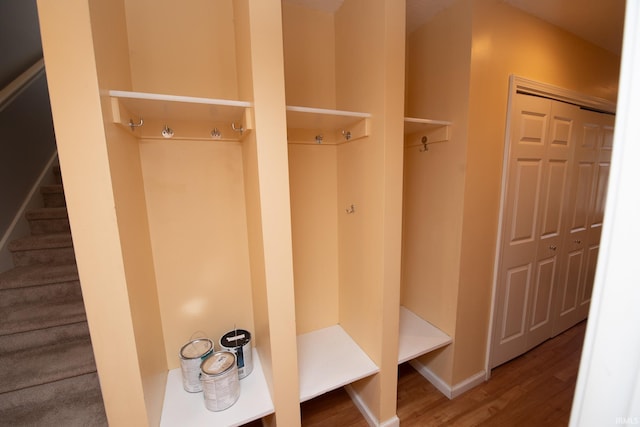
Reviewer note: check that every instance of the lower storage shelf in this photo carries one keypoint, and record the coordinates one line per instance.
(328, 359)
(187, 409)
(417, 336)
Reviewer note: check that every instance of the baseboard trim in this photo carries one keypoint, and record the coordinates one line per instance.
(468, 384)
(371, 419)
(442, 386)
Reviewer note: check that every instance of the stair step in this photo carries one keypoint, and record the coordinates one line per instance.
(38, 274)
(53, 196)
(48, 220)
(42, 337)
(72, 402)
(45, 364)
(50, 293)
(42, 249)
(44, 314)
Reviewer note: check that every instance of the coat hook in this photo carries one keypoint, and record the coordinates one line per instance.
(237, 129)
(424, 144)
(167, 132)
(346, 134)
(351, 209)
(133, 126)
(215, 133)
(318, 139)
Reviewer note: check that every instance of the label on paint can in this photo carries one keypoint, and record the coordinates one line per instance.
(191, 356)
(220, 382)
(239, 341)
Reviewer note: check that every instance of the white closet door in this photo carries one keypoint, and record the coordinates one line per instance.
(538, 174)
(561, 140)
(590, 173)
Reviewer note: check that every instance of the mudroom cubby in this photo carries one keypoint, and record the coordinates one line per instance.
(336, 185)
(418, 336)
(326, 202)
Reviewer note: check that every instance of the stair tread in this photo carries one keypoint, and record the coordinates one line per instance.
(45, 364)
(72, 402)
(47, 213)
(38, 274)
(42, 337)
(41, 314)
(41, 241)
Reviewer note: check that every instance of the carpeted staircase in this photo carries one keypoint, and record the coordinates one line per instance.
(47, 370)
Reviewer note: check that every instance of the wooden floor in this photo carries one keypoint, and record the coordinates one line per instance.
(535, 389)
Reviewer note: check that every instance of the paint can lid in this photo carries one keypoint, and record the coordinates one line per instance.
(235, 338)
(196, 349)
(218, 363)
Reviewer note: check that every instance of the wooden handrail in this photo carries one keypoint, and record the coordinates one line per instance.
(13, 89)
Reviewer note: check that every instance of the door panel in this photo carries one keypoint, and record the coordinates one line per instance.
(569, 301)
(540, 313)
(517, 291)
(585, 291)
(580, 196)
(602, 180)
(526, 185)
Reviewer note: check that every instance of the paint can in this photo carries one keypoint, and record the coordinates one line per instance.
(239, 341)
(191, 356)
(220, 382)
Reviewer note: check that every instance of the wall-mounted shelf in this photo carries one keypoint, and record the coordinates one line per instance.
(189, 117)
(417, 336)
(187, 409)
(422, 132)
(305, 125)
(328, 359)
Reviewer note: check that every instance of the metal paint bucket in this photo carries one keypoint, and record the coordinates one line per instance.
(239, 341)
(220, 382)
(191, 356)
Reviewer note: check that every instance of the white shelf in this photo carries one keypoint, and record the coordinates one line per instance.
(417, 336)
(328, 359)
(305, 123)
(189, 117)
(434, 130)
(185, 409)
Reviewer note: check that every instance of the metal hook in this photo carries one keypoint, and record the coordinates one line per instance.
(346, 134)
(167, 132)
(133, 126)
(240, 129)
(318, 139)
(424, 144)
(351, 209)
(215, 133)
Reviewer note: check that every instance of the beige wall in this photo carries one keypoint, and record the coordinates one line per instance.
(183, 49)
(502, 41)
(309, 57)
(195, 200)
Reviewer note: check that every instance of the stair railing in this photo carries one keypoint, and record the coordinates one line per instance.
(27, 151)
(20, 83)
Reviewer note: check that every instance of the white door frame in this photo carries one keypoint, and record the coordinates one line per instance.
(531, 87)
(608, 386)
